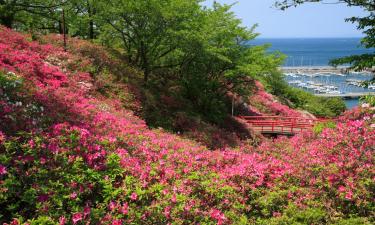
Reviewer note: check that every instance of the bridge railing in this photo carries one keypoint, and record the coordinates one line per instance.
(280, 124)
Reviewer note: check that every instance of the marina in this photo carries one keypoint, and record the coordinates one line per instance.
(330, 82)
(307, 66)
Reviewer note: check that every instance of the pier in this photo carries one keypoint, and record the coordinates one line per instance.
(309, 70)
(346, 95)
(315, 69)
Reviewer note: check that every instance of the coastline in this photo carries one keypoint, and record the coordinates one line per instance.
(317, 69)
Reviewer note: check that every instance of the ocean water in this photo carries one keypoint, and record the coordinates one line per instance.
(315, 52)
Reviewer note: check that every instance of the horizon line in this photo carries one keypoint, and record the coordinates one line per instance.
(267, 37)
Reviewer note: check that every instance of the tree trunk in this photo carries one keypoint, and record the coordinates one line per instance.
(92, 35)
(146, 74)
(91, 12)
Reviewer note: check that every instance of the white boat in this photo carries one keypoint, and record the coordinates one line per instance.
(333, 92)
(302, 84)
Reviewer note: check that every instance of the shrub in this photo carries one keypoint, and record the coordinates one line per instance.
(91, 161)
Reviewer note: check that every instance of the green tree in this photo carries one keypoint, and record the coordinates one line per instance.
(82, 19)
(149, 31)
(221, 61)
(366, 24)
(30, 14)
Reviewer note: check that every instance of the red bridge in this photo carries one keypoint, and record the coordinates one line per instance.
(280, 125)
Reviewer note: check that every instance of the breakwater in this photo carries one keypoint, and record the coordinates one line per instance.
(311, 70)
(347, 95)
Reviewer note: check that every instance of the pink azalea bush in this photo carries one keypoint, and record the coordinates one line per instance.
(72, 156)
(262, 102)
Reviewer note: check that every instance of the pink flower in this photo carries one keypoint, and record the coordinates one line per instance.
(112, 205)
(124, 209)
(341, 189)
(31, 143)
(62, 220)
(167, 212)
(77, 217)
(117, 222)
(133, 196)
(15, 222)
(73, 195)
(349, 195)
(3, 170)
(174, 199)
(218, 215)
(86, 211)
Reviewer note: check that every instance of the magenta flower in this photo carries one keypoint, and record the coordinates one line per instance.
(31, 143)
(124, 209)
(174, 199)
(349, 195)
(86, 211)
(116, 222)
(167, 212)
(133, 196)
(73, 195)
(62, 220)
(218, 215)
(112, 205)
(77, 217)
(3, 170)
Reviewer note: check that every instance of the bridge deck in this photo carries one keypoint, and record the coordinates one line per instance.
(280, 125)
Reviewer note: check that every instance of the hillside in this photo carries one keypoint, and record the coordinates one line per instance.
(74, 152)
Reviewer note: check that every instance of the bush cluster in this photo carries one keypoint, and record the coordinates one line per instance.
(82, 159)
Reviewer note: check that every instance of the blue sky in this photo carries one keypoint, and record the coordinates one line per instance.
(308, 20)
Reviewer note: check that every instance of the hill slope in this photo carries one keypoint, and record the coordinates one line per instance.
(70, 155)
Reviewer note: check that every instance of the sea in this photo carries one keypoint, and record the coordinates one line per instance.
(317, 52)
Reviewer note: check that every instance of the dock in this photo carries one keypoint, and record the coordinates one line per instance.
(346, 95)
(309, 70)
(315, 69)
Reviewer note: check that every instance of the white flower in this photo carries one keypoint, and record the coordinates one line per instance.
(372, 125)
(365, 105)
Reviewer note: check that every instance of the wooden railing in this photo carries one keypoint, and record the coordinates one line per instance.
(280, 125)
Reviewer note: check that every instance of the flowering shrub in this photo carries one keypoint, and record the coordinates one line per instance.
(262, 102)
(71, 156)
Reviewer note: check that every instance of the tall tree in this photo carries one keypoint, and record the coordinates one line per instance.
(221, 61)
(149, 30)
(28, 13)
(366, 24)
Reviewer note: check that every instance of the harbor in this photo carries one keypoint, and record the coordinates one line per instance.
(315, 69)
(328, 81)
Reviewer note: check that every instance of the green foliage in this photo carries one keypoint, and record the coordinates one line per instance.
(319, 127)
(149, 32)
(295, 215)
(369, 99)
(355, 220)
(200, 50)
